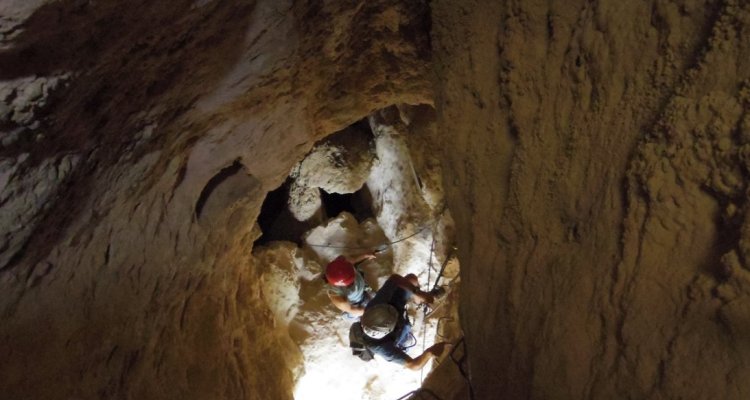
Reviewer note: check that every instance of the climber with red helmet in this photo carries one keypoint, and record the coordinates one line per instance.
(347, 288)
(384, 329)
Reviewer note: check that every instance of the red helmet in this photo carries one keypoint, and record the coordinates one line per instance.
(340, 272)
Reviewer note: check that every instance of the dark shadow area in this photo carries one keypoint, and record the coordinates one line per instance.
(358, 203)
(213, 183)
(335, 203)
(277, 222)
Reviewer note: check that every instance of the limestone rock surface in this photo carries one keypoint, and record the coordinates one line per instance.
(139, 139)
(338, 164)
(599, 189)
(595, 162)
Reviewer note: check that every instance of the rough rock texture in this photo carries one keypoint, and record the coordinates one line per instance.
(596, 166)
(596, 156)
(139, 140)
(303, 202)
(339, 164)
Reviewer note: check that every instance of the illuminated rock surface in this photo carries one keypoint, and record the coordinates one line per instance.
(594, 159)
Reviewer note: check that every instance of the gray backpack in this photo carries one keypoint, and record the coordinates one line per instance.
(357, 343)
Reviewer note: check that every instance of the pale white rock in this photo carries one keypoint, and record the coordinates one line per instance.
(339, 164)
(304, 201)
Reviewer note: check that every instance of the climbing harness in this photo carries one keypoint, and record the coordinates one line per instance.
(359, 349)
(413, 340)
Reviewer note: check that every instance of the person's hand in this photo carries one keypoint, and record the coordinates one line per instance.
(362, 257)
(424, 297)
(437, 349)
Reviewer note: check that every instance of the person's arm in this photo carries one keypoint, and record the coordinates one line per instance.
(418, 362)
(343, 304)
(361, 257)
(419, 295)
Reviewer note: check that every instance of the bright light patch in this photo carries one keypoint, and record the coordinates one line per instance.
(333, 373)
(403, 209)
(330, 370)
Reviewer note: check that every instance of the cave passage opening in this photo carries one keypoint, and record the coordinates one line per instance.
(358, 203)
(357, 191)
(277, 222)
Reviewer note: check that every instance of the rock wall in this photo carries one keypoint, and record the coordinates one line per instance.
(138, 142)
(595, 156)
(596, 167)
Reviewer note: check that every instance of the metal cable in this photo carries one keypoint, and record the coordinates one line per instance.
(330, 246)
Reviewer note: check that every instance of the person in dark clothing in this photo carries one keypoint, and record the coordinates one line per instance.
(386, 328)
